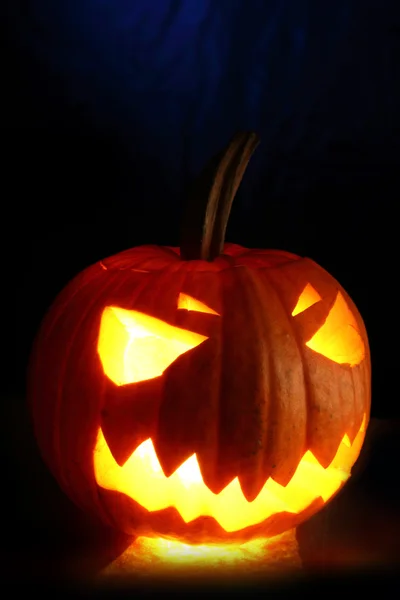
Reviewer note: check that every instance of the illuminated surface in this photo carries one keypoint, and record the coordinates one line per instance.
(338, 338)
(186, 302)
(142, 479)
(136, 347)
(157, 556)
(308, 297)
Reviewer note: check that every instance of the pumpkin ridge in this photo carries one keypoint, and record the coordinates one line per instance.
(299, 345)
(171, 455)
(283, 459)
(242, 425)
(207, 454)
(79, 331)
(42, 339)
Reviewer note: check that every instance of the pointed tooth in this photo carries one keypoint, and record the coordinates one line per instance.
(217, 472)
(128, 416)
(175, 437)
(183, 416)
(325, 440)
(170, 455)
(282, 476)
(215, 480)
(252, 477)
(251, 485)
(280, 463)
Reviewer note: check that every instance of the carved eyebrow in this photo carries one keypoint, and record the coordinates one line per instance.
(186, 302)
(307, 298)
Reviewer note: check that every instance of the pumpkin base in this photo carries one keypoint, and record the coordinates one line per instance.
(162, 559)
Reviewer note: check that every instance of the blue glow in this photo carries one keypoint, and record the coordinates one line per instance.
(177, 77)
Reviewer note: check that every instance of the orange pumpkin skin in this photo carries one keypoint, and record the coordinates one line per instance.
(249, 401)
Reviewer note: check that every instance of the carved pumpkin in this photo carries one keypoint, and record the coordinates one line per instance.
(205, 393)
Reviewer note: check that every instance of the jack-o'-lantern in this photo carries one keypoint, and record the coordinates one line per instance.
(205, 394)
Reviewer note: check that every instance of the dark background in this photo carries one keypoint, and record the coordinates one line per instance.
(108, 110)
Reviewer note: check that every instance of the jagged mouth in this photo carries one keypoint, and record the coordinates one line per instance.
(142, 479)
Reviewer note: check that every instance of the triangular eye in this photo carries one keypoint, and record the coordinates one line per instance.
(186, 302)
(134, 347)
(308, 297)
(339, 338)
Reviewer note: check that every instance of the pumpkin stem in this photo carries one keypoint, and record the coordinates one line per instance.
(210, 202)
